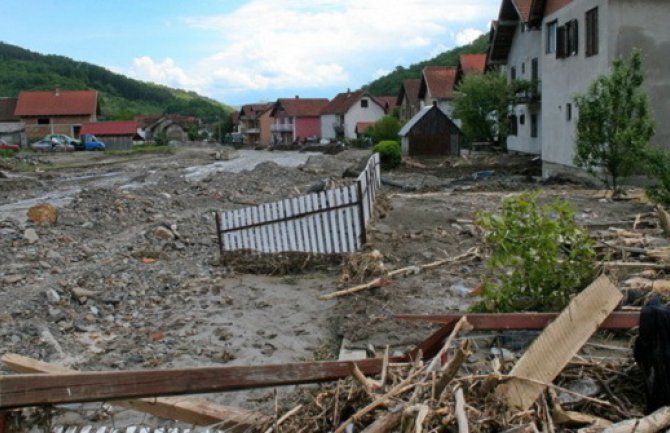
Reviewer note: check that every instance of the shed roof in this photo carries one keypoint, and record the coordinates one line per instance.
(439, 81)
(473, 63)
(418, 116)
(410, 88)
(57, 103)
(110, 128)
(301, 107)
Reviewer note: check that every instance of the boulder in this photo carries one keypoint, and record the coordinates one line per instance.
(44, 213)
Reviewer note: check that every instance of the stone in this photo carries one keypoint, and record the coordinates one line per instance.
(12, 279)
(164, 233)
(82, 293)
(30, 235)
(52, 296)
(87, 225)
(44, 213)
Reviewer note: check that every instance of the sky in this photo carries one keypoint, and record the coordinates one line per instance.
(240, 52)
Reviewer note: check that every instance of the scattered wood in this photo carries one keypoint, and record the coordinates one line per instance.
(664, 220)
(461, 416)
(559, 342)
(186, 409)
(648, 265)
(451, 369)
(385, 424)
(472, 253)
(507, 321)
(284, 417)
(655, 422)
(37, 389)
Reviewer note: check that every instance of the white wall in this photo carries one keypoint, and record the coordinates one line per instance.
(356, 113)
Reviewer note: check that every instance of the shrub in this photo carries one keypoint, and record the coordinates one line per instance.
(389, 153)
(386, 128)
(657, 162)
(540, 256)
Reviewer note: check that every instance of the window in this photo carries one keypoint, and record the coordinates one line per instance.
(43, 121)
(364, 103)
(534, 70)
(513, 128)
(592, 32)
(568, 112)
(522, 119)
(512, 73)
(571, 38)
(523, 68)
(533, 125)
(551, 37)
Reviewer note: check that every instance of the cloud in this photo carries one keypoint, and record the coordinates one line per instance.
(275, 45)
(466, 36)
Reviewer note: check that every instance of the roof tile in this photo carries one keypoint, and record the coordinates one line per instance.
(110, 128)
(57, 103)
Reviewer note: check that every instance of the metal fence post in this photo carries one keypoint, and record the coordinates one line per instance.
(219, 235)
(361, 212)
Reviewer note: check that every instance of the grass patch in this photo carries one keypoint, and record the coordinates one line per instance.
(142, 149)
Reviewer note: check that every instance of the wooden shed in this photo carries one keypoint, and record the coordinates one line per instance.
(430, 132)
(115, 135)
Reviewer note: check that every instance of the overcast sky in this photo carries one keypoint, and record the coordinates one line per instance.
(246, 51)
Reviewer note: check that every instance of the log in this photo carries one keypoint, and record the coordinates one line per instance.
(558, 343)
(37, 389)
(507, 321)
(385, 423)
(190, 410)
(655, 422)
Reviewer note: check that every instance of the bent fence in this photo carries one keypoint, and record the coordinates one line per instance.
(331, 221)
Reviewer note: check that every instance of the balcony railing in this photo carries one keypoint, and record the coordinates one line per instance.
(251, 130)
(282, 127)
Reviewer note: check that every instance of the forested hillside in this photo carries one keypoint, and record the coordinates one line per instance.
(389, 84)
(120, 97)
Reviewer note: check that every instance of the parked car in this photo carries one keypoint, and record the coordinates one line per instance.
(90, 142)
(62, 138)
(8, 146)
(51, 145)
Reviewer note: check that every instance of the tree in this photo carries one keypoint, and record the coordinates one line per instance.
(614, 125)
(482, 103)
(386, 128)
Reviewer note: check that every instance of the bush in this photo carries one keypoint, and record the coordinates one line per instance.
(658, 162)
(389, 153)
(386, 128)
(540, 256)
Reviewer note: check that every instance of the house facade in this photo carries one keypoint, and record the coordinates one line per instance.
(575, 42)
(56, 112)
(296, 119)
(340, 117)
(408, 99)
(12, 129)
(249, 122)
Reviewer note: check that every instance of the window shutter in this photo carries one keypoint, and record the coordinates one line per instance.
(575, 37)
(560, 42)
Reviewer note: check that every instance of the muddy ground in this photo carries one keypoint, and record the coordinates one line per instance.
(102, 289)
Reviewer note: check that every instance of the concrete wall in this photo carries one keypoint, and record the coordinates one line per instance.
(526, 46)
(328, 122)
(356, 113)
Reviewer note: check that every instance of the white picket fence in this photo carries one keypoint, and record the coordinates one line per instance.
(331, 221)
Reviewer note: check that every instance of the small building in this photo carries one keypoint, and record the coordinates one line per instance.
(296, 119)
(115, 135)
(408, 99)
(56, 112)
(250, 122)
(12, 129)
(431, 132)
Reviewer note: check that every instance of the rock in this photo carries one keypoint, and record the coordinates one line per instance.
(82, 293)
(217, 156)
(52, 296)
(164, 233)
(51, 254)
(12, 279)
(30, 235)
(43, 214)
(87, 225)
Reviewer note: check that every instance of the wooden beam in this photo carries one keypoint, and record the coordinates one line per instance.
(558, 343)
(186, 409)
(505, 321)
(37, 389)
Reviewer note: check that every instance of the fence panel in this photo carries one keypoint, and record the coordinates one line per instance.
(331, 221)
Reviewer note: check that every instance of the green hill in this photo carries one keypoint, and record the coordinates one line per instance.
(389, 85)
(120, 97)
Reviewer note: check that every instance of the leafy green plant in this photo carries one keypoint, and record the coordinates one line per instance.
(615, 123)
(540, 256)
(389, 153)
(386, 128)
(7, 153)
(658, 168)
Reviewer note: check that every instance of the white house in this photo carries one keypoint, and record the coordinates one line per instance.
(340, 117)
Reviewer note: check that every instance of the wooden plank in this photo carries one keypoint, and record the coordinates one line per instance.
(316, 222)
(325, 222)
(559, 342)
(275, 228)
(193, 411)
(334, 235)
(504, 321)
(291, 226)
(263, 230)
(257, 239)
(342, 235)
(350, 198)
(305, 203)
(39, 389)
(310, 247)
(299, 238)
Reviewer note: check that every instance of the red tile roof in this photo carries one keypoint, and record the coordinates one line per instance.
(110, 128)
(409, 88)
(473, 63)
(252, 111)
(554, 5)
(345, 100)
(439, 81)
(523, 8)
(299, 107)
(388, 102)
(57, 103)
